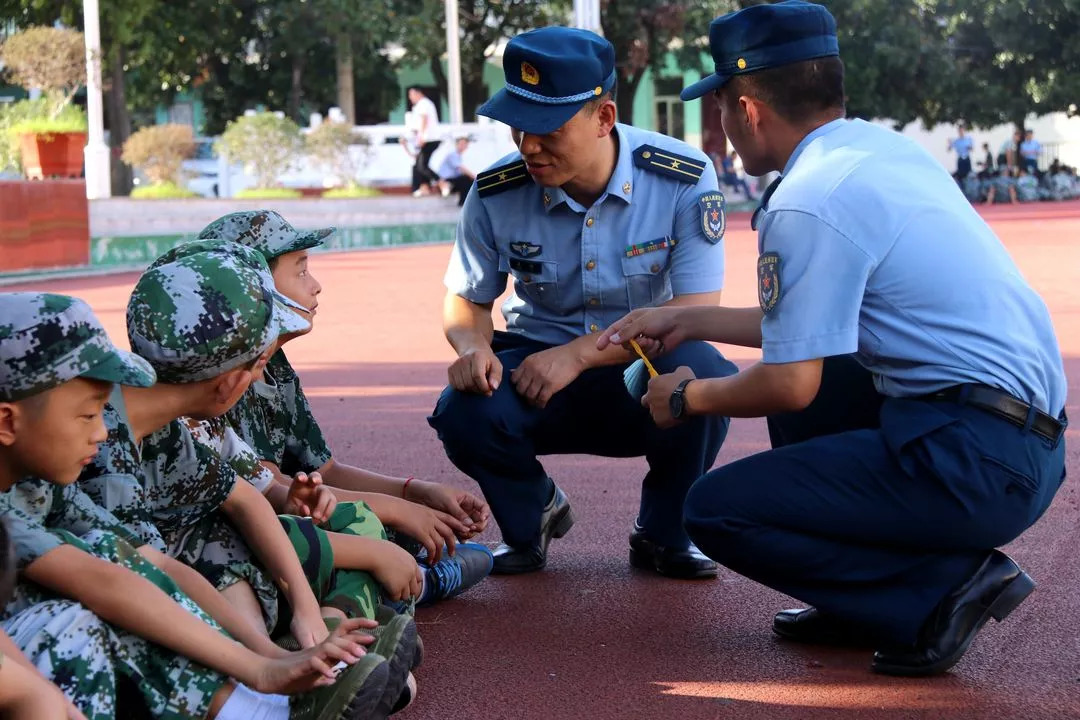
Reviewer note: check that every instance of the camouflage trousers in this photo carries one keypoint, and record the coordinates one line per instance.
(354, 592)
(217, 551)
(83, 655)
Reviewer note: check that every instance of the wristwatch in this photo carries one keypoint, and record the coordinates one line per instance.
(677, 402)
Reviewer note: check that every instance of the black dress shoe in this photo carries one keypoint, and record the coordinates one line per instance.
(810, 626)
(683, 563)
(556, 521)
(994, 591)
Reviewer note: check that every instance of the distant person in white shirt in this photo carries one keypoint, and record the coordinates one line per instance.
(453, 175)
(424, 141)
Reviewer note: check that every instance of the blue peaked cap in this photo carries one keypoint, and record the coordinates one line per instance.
(550, 74)
(766, 36)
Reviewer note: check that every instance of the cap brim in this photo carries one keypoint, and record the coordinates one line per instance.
(703, 87)
(289, 322)
(529, 117)
(306, 241)
(123, 368)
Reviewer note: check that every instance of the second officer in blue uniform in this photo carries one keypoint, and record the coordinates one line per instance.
(912, 379)
(590, 219)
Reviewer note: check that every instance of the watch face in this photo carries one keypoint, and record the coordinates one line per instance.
(677, 403)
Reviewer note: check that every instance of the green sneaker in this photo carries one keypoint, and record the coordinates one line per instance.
(383, 615)
(356, 695)
(396, 641)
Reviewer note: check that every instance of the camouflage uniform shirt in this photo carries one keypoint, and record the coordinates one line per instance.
(275, 419)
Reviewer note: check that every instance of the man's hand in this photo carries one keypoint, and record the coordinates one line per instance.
(658, 397)
(477, 371)
(398, 573)
(542, 374)
(308, 628)
(308, 497)
(656, 330)
(312, 668)
(470, 510)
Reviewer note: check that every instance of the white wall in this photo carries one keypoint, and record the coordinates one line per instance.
(1055, 128)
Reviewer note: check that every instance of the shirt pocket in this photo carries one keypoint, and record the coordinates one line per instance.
(645, 272)
(536, 281)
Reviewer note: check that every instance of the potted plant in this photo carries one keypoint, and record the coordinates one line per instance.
(341, 149)
(159, 151)
(267, 144)
(52, 60)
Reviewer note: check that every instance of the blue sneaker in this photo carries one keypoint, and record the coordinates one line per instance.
(451, 576)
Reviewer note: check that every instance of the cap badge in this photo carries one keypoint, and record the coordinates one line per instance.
(529, 74)
(741, 62)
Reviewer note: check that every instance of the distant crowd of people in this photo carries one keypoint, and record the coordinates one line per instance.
(1013, 175)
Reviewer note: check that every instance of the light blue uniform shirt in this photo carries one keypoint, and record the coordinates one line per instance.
(963, 146)
(880, 254)
(577, 270)
(450, 166)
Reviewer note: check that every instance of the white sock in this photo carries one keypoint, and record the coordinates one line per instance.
(246, 704)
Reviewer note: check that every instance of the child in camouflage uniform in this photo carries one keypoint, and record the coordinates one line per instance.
(171, 470)
(24, 693)
(57, 367)
(275, 419)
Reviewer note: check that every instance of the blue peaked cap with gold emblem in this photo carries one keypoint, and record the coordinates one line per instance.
(550, 74)
(766, 36)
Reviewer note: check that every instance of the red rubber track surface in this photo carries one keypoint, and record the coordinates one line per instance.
(589, 638)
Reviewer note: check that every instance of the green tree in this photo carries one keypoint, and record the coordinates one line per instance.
(1010, 59)
(644, 31)
(420, 27)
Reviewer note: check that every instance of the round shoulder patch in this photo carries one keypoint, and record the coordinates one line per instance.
(713, 220)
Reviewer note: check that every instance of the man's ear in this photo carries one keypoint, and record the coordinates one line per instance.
(752, 112)
(8, 420)
(226, 385)
(607, 115)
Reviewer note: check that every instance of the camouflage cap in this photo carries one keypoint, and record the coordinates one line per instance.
(46, 340)
(248, 256)
(264, 230)
(205, 313)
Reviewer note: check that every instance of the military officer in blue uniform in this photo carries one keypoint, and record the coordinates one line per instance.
(590, 219)
(912, 379)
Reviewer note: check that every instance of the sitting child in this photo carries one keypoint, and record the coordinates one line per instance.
(92, 601)
(275, 419)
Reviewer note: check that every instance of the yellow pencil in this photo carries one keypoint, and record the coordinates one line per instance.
(648, 365)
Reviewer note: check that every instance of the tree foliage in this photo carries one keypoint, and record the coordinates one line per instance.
(52, 60)
(644, 31)
(265, 143)
(159, 151)
(420, 29)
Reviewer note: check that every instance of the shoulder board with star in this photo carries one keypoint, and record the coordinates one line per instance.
(664, 162)
(505, 177)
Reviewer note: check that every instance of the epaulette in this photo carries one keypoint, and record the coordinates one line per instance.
(664, 162)
(502, 178)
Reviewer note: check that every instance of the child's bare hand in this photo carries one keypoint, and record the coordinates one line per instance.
(469, 510)
(309, 629)
(431, 528)
(308, 497)
(398, 573)
(311, 668)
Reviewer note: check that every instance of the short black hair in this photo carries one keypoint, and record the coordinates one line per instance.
(7, 564)
(797, 91)
(592, 105)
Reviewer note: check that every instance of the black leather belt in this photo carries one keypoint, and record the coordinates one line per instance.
(1005, 406)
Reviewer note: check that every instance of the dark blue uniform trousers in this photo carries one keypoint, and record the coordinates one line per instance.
(873, 509)
(496, 440)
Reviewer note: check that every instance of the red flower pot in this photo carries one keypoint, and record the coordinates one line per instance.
(53, 155)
